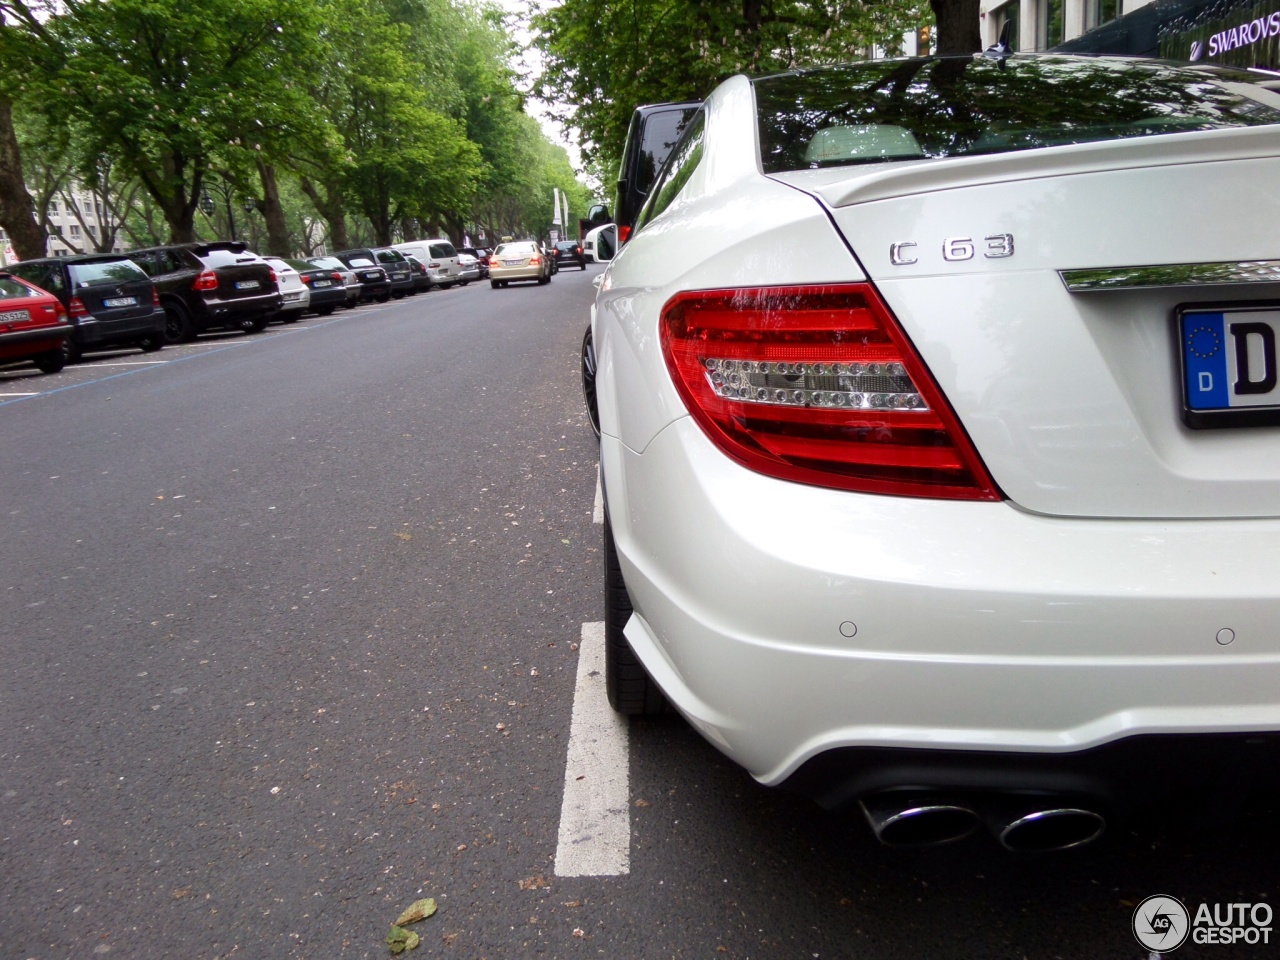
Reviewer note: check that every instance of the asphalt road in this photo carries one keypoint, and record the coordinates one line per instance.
(291, 630)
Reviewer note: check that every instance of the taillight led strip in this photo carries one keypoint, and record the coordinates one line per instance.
(818, 385)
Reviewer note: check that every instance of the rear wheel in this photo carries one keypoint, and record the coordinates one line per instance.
(152, 343)
(291, 316)
(630, 688)
(177, 324)
(51, 362)
(544, 280)
(495, 284)
(325, 310)
(589, 381)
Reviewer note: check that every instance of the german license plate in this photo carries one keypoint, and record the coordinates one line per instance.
(1229, 365)
(120, 302)
(370, 276)
(513, 263)
(14, 316)
(247, 284)
(322, 283)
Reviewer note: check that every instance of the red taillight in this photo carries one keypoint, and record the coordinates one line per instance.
(155, 297)
(305, 278)
(434, 266)
(336, 276)
(493, 261)
(77, 308)
(208, 280)
(533, 261)
(60, 313)
(274, 278)
(818, 385)
(624, 232)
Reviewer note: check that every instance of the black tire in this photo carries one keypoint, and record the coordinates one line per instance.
(326, 310)
(495, 284)
(290, 316)
(589, 381)
(631, 690)
(543, 281)
(152, 343)
(72, 350)
(51, 362)
(464, 282)
(177, 324)
(384, 298)
(255, 325)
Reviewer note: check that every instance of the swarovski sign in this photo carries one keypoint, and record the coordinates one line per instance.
(1243, 35)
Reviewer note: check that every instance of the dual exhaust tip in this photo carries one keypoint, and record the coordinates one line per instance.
(1020, 824)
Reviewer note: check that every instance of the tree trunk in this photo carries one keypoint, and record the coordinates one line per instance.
(330, 207)
(17, 211)
(277, 229)
(959, 29)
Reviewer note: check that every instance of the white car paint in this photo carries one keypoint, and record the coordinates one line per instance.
(1124, 585)
(296, 294)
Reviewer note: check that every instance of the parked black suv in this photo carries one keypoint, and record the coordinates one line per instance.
(108, 299)
(391, 260)
(207, 286)
(570, 251)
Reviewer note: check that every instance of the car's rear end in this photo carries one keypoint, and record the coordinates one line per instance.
(518, 260)
(33, 325)
(977, 496)
(399, 274)
(326, 286)
(236, 287)
(295, 294)
(111, 301)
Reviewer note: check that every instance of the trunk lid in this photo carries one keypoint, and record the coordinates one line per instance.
(1074, 395)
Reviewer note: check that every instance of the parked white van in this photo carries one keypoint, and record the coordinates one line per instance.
(439, 256)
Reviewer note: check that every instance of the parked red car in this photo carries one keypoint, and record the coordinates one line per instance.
(33, 325)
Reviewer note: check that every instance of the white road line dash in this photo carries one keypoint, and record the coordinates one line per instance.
(597, 511)
(595, 815)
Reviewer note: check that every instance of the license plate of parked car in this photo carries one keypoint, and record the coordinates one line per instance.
(14, 316)
(1229, 363)
(246, 284)
(324, 283)
(120, 302)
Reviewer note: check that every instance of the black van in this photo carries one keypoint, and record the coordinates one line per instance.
(108, 299)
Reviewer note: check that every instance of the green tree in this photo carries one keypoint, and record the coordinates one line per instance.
(604, 57)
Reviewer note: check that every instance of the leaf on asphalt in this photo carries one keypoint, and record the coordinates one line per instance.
(403, 536)
(534, 883)
(400, 939)
(418, 910)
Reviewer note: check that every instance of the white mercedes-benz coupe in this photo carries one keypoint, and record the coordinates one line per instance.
(940, 438)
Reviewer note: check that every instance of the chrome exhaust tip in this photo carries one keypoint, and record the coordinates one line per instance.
(1054, 828)
(909, 820)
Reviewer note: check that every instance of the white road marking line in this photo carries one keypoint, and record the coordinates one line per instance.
(597, 512)
(595, 817)
(19, 394)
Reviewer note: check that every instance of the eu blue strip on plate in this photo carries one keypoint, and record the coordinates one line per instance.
(1205, 351)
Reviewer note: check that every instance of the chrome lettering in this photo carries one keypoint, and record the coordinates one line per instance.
(896, 256)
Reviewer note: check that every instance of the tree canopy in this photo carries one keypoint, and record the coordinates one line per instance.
(378, 119)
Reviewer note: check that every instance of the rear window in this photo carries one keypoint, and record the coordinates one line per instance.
(11, 289)
(105, 274)
(389, 256)
(361, 262)
(945, 107)
(443, 250)
(515, 250)
(227, 258)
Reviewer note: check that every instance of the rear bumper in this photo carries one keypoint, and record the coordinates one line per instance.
(835, 620)
(223, 312)
(16, 344)
(89, 331)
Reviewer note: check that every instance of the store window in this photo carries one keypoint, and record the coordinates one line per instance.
(1009, 15)
(1051, 25)
(1098, 12)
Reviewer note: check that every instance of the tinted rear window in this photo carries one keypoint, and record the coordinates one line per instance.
(105, 274)
(390, 256)
(929, 108)
(226, 258)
